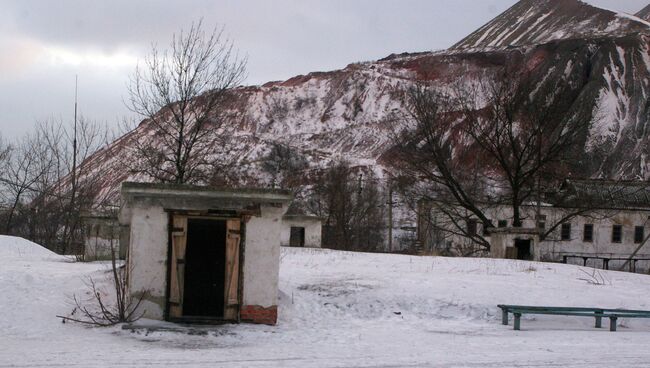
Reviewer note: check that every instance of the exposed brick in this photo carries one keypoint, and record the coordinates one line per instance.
(258, 314)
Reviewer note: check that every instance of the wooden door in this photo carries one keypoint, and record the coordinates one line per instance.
(297, 237)
(231, 289)
(177, 266)
(511, 253)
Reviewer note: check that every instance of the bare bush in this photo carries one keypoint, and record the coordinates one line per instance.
(98, 311)
(595, 277)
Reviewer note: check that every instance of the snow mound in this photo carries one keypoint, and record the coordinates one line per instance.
(16, 248)
(340, 309)
(347, 286)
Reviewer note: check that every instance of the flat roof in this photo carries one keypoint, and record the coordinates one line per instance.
(207, 192)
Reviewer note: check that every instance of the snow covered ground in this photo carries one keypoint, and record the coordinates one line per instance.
(339, 309)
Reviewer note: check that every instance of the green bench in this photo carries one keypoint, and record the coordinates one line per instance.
(597, 313)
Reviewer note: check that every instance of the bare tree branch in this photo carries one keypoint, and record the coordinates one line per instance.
(181, 93)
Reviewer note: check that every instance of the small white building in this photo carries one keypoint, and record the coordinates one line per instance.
(301, 230)
(101, 235)
(201, 254)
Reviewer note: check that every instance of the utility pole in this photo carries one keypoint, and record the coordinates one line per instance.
(69, 231)
(358, 225)
(74, 139)
(390, 216)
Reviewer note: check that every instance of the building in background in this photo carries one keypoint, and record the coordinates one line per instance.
(300, 229)
(606, 226)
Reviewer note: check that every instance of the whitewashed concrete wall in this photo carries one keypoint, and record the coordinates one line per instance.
(98, 248)
(101, 238)
(148, 249)
(262, 257)
(313, 231)
(147, 260)
(602, 244)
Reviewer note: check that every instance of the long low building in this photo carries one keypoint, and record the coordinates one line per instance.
(596, 223)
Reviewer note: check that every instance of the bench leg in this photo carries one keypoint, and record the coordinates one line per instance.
(612, 323)
(504, 317)
(517, 321)
(599, 322)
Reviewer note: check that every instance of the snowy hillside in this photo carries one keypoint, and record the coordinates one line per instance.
(644, 13)
(349, 113)
(340, 309)
(534, 22)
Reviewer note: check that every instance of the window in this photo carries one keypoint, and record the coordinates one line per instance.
(471, 227)
(588, 233)
(639, 234)
(485, 229)
(541, 221)
(565, 233)
(503, 223)
(617, 233)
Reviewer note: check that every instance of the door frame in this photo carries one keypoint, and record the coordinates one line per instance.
(220, 216)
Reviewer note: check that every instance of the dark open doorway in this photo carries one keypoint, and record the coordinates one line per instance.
(523, 249)
(205, 263)
(297, 237)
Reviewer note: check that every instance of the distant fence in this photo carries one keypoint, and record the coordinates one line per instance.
(636, 264)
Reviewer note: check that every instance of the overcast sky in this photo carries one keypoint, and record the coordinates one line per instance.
(43, 44)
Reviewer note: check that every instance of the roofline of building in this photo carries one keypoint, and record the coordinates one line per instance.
(207, 192)
(303, 217)
(563, 207)
(631, 182)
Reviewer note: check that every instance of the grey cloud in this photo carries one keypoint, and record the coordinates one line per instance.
(282, 38)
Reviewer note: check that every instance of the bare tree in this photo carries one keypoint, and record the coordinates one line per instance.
(181, 92)
(21, 171)
(68, 188)
(285, 166)
(352, 207)
(503, 141)
(4, 150)
(43, 190)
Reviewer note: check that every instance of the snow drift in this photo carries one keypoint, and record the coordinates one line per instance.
(342, 309)
(18, 249)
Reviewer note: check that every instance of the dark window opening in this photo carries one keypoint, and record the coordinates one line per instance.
(565, 232)
(297, 237)
(471, 227)
(639, 234)
(485, 228)
(503, 223)
(588, 233)
(617, 233)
